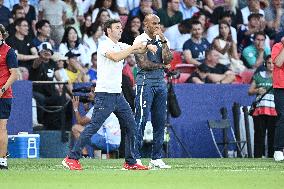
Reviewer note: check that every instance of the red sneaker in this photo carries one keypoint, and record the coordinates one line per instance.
(135, 167)
(72, 164)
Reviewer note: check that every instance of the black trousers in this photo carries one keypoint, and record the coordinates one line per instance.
(263, 123)
(279, 130)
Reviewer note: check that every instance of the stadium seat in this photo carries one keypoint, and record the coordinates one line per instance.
(244, 77)
(177, 59)
(182, 79)
(185, 68)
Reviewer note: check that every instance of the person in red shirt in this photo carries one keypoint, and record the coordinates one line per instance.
(8, 74)
(277, 56)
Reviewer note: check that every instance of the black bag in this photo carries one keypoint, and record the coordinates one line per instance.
(254, 103)
(173, 105)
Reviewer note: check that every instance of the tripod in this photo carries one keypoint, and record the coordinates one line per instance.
(168, 125)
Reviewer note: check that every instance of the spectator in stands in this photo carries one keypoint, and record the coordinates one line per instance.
(75, 72)
(264, 116)
(124, 6)
(97, 36)
(188, 8)
(213, 31)
(255, 53)
(246, 33)
(86, 5)
(142, 10)
(71, 42)
(230, 6)
(43, 33)
(102, 17)
(74, 15)
(274, 16)
(109, 5)
(171, 15)
(5, 15)
(218, 73)
(199, 76)
(55, 12)
(225, 45)
(194, 48)
(23, 46)
(43, 69)
(253, 7)
(29, 11)
(202, 18)
(107, 137)
(19, 12)
(92, 72)
(93, 41)
(132, 29)
(85, 28)
(278, 87)
(179, 31)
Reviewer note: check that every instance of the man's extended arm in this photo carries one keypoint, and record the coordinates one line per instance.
(167, 55)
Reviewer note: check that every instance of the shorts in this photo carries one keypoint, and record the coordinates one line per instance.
(5, 107)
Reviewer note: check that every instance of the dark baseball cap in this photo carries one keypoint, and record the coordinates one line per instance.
(70, 54)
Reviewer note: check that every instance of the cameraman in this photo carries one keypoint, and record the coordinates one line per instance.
(108, 136)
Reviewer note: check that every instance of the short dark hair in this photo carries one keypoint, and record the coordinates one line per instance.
(259, 33)
(19, 21)
(109, 23)
(254, 15)
(41, 23)
(93, 54)
(195, 22)
(16, 8)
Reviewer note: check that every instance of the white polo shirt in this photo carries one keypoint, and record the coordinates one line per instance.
(109, 73)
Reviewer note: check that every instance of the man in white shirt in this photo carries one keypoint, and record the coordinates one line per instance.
(108, 99)
(179, 31)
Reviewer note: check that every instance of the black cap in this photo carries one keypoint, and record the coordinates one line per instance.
(70, 54)
(203, 68)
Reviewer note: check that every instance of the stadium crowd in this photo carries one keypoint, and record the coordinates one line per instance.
(213, 41)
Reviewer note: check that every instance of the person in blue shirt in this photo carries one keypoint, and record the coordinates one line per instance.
(93, 70)
(151, 91)
(194, 48)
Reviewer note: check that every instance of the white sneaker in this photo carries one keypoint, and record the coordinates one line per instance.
(3, 163)
(278, 156)
(139, 162)
(158, 163)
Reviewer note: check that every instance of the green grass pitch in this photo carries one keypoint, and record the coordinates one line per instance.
(104, 174)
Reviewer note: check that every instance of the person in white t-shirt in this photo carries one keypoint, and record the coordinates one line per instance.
(109, 98)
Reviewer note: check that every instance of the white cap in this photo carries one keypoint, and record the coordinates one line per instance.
(45, 46)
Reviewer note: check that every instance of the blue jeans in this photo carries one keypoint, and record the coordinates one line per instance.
(105, 104)
(99, 142)
(279, 130)
(151, 98)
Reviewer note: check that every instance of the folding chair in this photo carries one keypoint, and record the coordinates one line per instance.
(224, 125)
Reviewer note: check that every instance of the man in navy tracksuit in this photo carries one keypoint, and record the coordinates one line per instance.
(151, 92)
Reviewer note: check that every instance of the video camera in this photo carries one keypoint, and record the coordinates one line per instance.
(83, 97)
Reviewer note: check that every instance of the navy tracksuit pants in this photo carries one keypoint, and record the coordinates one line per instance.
(105, 104)
(151, 98)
